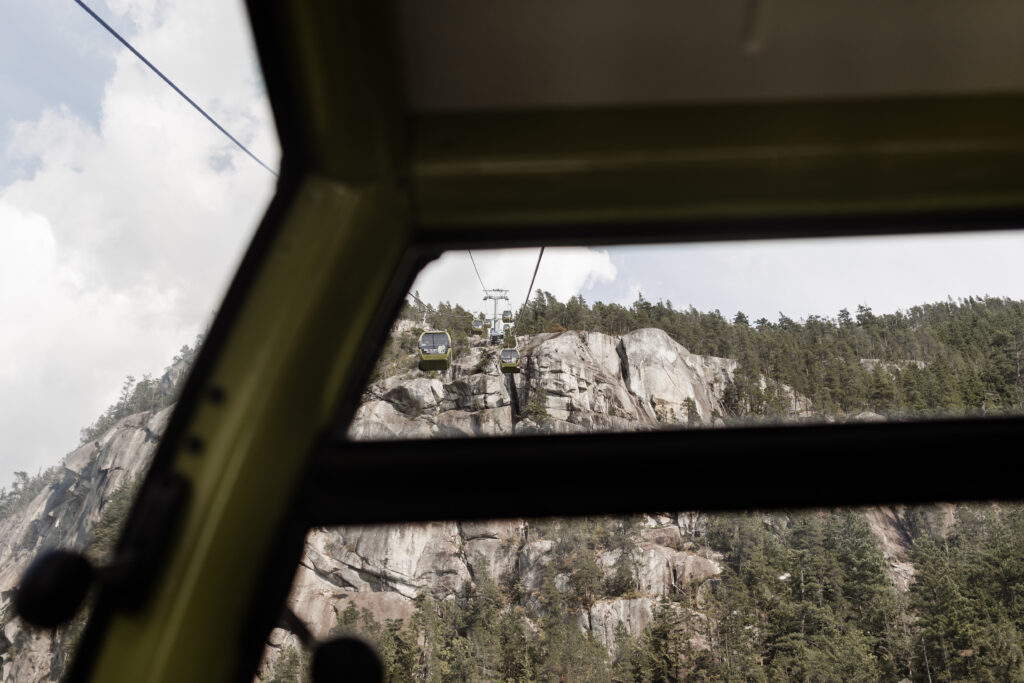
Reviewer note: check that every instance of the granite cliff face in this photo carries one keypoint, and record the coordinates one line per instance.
(383, 569)
(571, 382)
(63, 515)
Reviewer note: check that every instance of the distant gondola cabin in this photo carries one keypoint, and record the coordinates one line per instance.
(506, 316)
(478, 327)
(435, 350)
(509, 361)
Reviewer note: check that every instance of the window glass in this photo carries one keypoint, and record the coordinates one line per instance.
(881, 593)
(123, 215)
(676, 337)
(435, 339)
(709, 335)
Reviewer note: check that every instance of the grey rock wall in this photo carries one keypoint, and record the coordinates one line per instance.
(571, 382)
(62, 516)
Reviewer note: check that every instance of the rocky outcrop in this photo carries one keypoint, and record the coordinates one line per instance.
(62, 515)
(384, 568)
(894, 535)
(605, 616)
(570, 382)
(666, 376)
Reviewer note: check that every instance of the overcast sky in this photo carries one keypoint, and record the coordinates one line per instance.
(123, 214)
(122, 211)
(759, 278)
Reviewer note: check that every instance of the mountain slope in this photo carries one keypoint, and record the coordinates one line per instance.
(570, 382)
(66, 514)
(829, 595)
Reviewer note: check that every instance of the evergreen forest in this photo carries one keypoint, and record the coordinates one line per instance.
(802, 596)
(950, 358)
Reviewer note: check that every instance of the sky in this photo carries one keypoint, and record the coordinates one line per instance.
(763, 279)
(123, 214)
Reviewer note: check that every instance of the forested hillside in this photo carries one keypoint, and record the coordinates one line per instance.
(925, 594)
(882, 594)
(959, 357)
(806, 597)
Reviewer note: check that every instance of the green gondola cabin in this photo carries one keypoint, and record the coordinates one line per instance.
(478, 327)
(435, 350)
(509, 361)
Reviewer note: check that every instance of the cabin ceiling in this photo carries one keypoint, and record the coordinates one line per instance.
(467, 54)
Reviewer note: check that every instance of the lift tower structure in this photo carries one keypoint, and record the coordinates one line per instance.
(496, 295)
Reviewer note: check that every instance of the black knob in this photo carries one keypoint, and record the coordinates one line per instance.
(53, 588)
(347, 659)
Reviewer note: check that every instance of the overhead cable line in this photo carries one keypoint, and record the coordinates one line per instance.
(176, 88)
(417, 299)
(482, 285)
(426, 308)
(534, 278)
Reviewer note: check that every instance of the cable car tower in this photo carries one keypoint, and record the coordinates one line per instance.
(497, 330)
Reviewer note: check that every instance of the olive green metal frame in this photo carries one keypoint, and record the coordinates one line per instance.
(436, 361)
(370, 191)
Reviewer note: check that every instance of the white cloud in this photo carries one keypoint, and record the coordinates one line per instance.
(116, 250)
(564, 271)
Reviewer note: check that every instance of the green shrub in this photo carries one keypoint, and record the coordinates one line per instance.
(537, 407)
